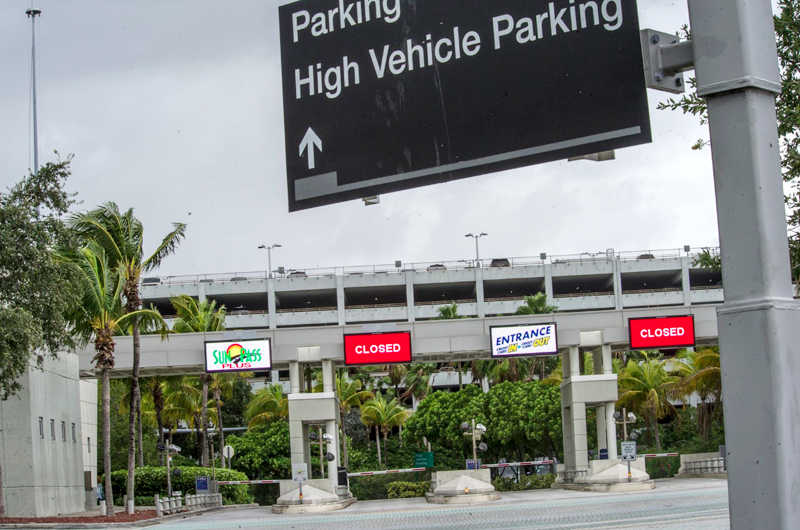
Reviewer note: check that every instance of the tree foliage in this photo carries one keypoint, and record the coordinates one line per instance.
(263, 453)
(35, 289)
(787, 34)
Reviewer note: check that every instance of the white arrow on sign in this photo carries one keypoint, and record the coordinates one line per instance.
(309, 141)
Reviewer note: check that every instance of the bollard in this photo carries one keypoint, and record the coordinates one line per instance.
(159, 513)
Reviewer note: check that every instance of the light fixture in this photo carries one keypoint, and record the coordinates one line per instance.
(631, 416)
(617, 415)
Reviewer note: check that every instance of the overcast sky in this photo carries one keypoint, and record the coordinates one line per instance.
(174, 108)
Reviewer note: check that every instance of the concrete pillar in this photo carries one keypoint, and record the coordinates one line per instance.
(617, 276)
(581, 447)
(565, 365)
(298, 441)
(685, 280)
(479, 292)
(410, 296)
(548, 284)
(201, 291)
(272, 305)
(597, 362)
(611, 431)
(340, 301)
(295, 381)
(328, 382)
(574, 361)
(608, 366)
(569, 446)
(602, 442)
(333, 448)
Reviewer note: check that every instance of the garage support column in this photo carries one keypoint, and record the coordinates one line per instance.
(410, 296)
(340, 301)
(328, 383)
(479, 297)
(294, 378)
(548, 284)
(298, 441)
(201, 291)
(686, 281)
(272, 305)
(611, 431)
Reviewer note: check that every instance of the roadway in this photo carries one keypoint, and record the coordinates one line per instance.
(673, 505)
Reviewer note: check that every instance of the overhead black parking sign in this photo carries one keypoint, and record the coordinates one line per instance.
(386, 95)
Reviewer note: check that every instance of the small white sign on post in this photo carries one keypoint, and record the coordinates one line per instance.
(227, 452)
(628, 451)
(300, 473)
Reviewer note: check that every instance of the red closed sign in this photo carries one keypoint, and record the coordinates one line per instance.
(663, 332)
(377, 348)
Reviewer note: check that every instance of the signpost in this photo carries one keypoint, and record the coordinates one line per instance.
(662, 332)
(377, 348)
(201, 485)
(628, 455)
(300, 476)
(423, 459)
(228, 452)
(386, 96)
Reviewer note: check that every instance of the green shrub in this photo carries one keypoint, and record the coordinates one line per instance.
(404, 490)
(152, 481)
(526, 482)
(663, 467)
(376, 487)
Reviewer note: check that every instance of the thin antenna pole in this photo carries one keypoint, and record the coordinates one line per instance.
(32, 14)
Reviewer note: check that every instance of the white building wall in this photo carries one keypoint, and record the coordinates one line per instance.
(43, 470)
(89, 400)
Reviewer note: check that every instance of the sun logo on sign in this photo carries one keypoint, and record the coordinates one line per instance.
(234, 353)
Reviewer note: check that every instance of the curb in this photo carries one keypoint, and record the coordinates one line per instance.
(138, 524)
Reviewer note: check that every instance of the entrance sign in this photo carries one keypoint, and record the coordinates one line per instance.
(424, 459)
(663, 332)
(238, 356)
(377, 348)
(386, 95)
(628, 451)
(527, 339)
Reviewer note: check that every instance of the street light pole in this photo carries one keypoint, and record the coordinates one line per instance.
(269, 257)
(477, 249)
(32, 14)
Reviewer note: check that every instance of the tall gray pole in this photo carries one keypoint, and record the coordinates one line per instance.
(269, 261)
(477, 252)
(759, 323)
(32, 14)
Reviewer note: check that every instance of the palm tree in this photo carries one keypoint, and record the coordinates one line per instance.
(384, 416)
(185, 401)
(397, 373)
(646, 388)
(350, 395)
(121, 236)
(155, 386)
(699, 372)
(98, 317)
(268, 404)
(536, 305)
(194, 317)
(449, 312)
(221, 386)
(197, 317)
(418, 380)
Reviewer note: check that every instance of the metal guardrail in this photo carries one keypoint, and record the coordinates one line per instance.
(582, 295)
(650, 291)
(448, 265)
(447, 302)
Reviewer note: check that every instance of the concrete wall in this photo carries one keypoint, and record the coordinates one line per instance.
(43, 470)
(89, 424)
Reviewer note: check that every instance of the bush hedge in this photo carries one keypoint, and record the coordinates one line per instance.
(405, 490)
(376, 487)
(150, 481)
(526, 482)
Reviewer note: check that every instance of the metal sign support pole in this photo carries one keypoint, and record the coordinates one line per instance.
(629, 470)
(759, 323)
